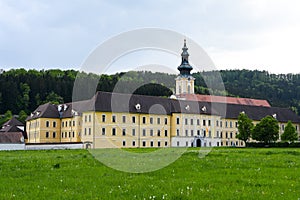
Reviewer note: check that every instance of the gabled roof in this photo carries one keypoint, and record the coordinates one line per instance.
(224, 99)
(117, 102)
(258, 112)
(11, 133)
(131, 103)
(9, 128)
(13, 122)
(47, 110)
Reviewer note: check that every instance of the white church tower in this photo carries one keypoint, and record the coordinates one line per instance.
(184, 82)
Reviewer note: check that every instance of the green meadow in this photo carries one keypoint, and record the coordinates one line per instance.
(225, 173)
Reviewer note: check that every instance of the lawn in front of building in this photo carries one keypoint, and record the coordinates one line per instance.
(225, 173)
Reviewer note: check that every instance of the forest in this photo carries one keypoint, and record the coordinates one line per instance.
(21, 90)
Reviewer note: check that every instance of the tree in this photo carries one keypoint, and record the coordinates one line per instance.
(54, 98)
(23, 99)
(245, 127)
(290, 134)
(7, 116)
(22, 116)
(267, 130)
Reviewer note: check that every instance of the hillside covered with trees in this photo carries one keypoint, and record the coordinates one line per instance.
(23, 90)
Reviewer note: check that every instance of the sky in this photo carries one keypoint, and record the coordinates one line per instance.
(236, 34)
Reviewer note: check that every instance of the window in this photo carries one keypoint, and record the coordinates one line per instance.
(70, 123)
(90, 118)
(47, 134)
(151, 132)
(166, 133)
(209, 122)
(158, 120)
(166, 121)
(282, 127)
(103, 131)
(186, 133)
(158, 133)
(186, 143)
(204, 133)
(221, 123)
(133, 143)
(113, 131)
(73, 123)
(296, 128)
(236, 143)
(230, 134)
(166, 143)
(226, 135)
(242, 143)
(151, 120)
(192, 121)
(217, 123)
(62, 124)
(192, 133)
(177, 132)
(177, 120)
(236, 124)
(90, 131)
(62, 135)
(124, 132)
(221, 134)
(66, 134)
(73, 134)
(158, 143)
(103, 118)
(198, 122)
(217, 134)
(54, 124)
(133, 119)
(47, 123)
(144, 120)
(151, 143)
(204, 122)
(124, 143)
(226, 124)
(198, 132)
(178, 143)
(69, 134)
(144, 132)
(186, 121)
(85, 118)
(144, 143)
(133, 132)
(66, 124)
(84, 131)
(113, 118)
(230, 123)
(124, 119)
(209, 133)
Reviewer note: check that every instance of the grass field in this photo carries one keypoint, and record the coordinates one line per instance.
(226, 173)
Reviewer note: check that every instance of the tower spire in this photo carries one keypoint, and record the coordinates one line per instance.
(185, 81)
(185, 68)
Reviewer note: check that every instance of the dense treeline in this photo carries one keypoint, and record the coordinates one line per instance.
(23, 90)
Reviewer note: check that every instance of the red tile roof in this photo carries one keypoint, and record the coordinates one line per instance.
(223, 99)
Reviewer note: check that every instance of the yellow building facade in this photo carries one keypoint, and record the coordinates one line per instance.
(112, 120)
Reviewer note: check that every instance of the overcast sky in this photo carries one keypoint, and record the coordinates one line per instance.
(236, 34)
